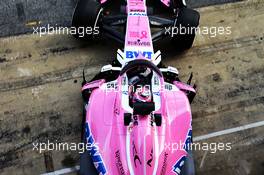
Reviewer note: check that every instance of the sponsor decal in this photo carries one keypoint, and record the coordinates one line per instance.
(135, 154)
(178, 165)
(139, 43)
(188, 141)
(137, 10)
(156, 80)
(135, 119)
(117, 111)
(164, 164)
(94, 152)
(168, 87)
(151, 158)
(135, 54)
(136, 34)
(137, 14)
(112, 85)
(119, 163)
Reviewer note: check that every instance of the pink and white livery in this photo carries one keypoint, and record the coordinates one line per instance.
(137, 118)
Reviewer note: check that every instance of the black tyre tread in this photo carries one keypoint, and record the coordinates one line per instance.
(85, 15)
(86, 165)
(188, 167)
(188, 18)
(177, 4)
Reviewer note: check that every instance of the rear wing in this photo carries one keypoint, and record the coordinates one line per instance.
(165, 2)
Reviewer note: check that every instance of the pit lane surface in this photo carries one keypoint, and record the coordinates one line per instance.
(40, 92)
(17, 17)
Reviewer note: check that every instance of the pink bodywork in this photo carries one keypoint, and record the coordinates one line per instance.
(138, 34)
(142, 148)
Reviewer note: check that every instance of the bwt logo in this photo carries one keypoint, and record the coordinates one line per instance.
(135, 54)
(94, 152)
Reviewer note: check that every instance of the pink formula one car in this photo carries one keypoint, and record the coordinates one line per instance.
(137, 116)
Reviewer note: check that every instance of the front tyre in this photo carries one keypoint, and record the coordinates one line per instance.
(188, 167)
(86, 19)
(186, 24)
(177, 3)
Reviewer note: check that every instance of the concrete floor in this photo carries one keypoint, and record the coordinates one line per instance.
(40, 92)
